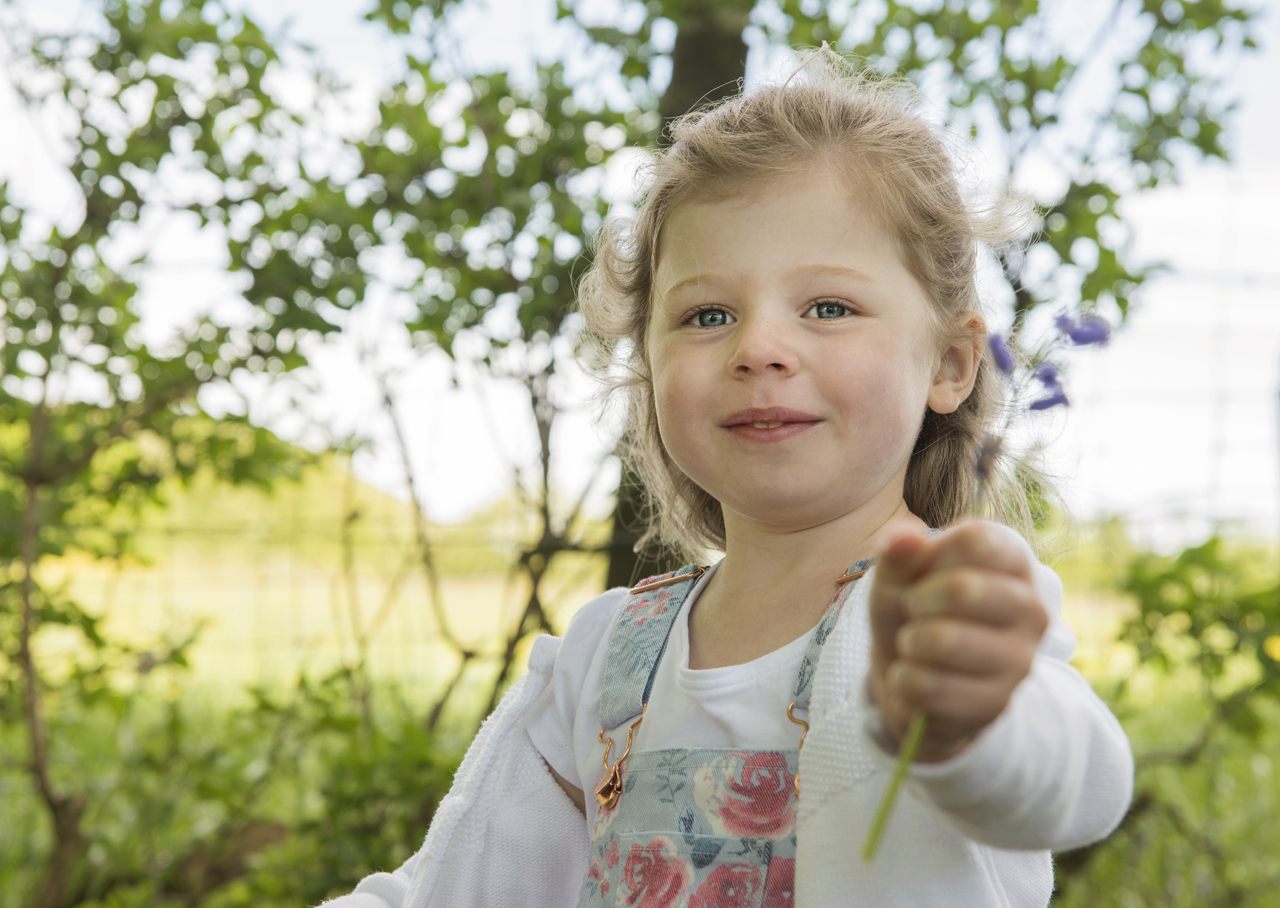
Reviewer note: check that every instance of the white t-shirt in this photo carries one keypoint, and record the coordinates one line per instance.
(736, 706)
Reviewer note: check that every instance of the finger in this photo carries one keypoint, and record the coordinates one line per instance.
(982, 544)
(977, 595)
(962, 647)
(905, 557)
(956, 704)
(900, 564)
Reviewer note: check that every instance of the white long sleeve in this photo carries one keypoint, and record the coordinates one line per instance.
(1053, 772)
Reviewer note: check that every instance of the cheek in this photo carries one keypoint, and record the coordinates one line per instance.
(673, 402)
(886, 395)
(681, 402)
(883, 375)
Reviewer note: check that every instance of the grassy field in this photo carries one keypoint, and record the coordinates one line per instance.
(304, 579)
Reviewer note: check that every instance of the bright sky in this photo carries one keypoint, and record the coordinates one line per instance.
(1174, 424)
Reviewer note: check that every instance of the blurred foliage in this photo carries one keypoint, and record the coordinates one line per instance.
(286, 801)
(160, 114)
(1202, 706)
(291, 798)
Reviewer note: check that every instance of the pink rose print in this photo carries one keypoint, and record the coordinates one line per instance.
(604, 888)
(655, 876)
(728, 886)
(746, 794)
(640, 622)
(780, 886)
(594, 872)
(655, 604)
(611, 855)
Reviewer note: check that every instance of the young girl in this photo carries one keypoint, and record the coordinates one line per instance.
(804, 356)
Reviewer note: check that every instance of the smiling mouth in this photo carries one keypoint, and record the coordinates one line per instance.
(769, 418)
(769, 425)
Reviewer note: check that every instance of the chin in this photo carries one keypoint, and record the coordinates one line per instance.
(787, 513)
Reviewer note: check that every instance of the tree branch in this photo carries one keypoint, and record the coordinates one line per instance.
(425, 554)
(64, 810)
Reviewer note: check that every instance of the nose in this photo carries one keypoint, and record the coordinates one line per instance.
(762, 347)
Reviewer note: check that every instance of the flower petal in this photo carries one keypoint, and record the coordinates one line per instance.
(1001, 355)
(1057, 399)
(1092, 330)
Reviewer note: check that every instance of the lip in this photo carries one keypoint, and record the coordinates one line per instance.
(791, 423)
(768, 414)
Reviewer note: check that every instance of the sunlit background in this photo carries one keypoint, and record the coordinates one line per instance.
(1173, 425)
(404, 557)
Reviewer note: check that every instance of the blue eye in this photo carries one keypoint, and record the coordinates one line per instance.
(712, 318)
(829, 310)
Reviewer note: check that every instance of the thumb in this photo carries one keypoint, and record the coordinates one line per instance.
(904, 559)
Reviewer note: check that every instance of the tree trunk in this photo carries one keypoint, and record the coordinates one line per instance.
(707, 65)
(626, 565)
(709, 59)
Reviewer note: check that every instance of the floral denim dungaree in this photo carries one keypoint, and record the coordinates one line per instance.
(700, 828)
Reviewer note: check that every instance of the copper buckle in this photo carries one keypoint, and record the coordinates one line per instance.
(845, 578)
(609, 786)
(645, 587)
(804, 731)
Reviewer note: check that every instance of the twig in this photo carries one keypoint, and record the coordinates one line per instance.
(433, 719)
(578, 505)
(356, 679)
(392, 596)
(1223, 710)
(425, 553)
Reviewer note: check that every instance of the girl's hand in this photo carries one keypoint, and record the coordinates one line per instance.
(955, 623)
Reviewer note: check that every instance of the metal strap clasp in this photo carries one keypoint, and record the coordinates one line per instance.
(804, 731)
(853, 575)
(667, 581)
(609, 786)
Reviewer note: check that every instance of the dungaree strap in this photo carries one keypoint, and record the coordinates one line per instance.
(640, 638)
(803, 691)
(638, 642)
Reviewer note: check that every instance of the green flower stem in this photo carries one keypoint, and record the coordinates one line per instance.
(906, 756)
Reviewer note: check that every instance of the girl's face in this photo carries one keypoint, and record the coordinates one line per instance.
(793, 355)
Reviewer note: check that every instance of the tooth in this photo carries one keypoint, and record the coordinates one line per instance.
(765, 425)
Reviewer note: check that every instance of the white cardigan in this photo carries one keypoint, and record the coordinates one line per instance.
(1053, 772)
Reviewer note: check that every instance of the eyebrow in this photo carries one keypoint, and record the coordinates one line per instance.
(824, 270)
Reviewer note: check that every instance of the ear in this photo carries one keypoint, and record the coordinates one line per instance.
(958, 365)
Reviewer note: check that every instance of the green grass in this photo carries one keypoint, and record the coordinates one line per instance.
(288, 583)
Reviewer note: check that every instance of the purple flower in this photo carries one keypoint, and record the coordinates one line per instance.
(1048, 375)
(1092, 330)
(1058, 398)
(1065, 323)
(1000, 353)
